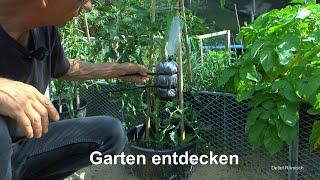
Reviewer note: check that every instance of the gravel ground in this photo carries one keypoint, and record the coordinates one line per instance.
(118, 172)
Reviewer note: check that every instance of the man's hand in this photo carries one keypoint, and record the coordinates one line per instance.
(129, 72)
(27, 106)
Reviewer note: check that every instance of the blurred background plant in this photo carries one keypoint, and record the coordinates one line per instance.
(207, 75)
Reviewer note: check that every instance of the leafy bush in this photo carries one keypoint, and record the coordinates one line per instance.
(279, 71)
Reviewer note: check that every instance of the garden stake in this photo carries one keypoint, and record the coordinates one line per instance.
(60, 104)
(87, 27)
(253, 12)
(77, 92)
(151, 52)
(239, 27)
(186, 43)
(180, 82)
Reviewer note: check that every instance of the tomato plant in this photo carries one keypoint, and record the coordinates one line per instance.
(206, 75)
(279, 71)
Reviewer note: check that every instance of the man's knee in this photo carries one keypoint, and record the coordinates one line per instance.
(112, 131)
(111, 127)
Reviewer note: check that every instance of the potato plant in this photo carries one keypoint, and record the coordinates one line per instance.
(279, 71)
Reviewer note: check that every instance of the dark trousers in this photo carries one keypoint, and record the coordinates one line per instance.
(65, 149)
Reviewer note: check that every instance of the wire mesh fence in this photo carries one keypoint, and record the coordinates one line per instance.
(222, 128)
(99, 103)
(223, 120)
(310, 161)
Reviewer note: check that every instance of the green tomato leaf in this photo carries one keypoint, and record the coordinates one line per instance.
(255, 48)
(256, 133)
(253, 115)
(258, 99)
(287, 133)
(287, 48)
(266, 60)
(251, 77)
(286, 87)
(288, 112)
(272, 142)
(245, 91)
(309, 89)
(226, 75)
(268, 105)
(314, 140)
(266, 114)
(250, 72)
(313, 111)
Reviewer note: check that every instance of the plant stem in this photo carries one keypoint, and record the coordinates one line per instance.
(186, 43)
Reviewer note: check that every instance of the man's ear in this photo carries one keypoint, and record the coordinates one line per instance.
(43, 3)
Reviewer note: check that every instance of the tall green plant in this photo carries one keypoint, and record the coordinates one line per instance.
(279, 71)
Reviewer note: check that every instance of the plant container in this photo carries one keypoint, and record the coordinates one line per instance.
(157, 172)
(78, 112)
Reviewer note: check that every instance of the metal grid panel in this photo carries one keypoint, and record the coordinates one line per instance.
(222, 120)
(309, 160)
(105, 99)
(100, 102)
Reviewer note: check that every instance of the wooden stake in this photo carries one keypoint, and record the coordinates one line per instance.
(180, 81)
(186, 43)
(201, 52)
(77, 91)
(87, 27)
(229, 45)
(239, 27)
(151, 59)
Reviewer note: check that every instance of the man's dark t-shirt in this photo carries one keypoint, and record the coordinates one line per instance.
(17, 64)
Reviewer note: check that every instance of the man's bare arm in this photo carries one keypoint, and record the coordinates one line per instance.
(80, 70)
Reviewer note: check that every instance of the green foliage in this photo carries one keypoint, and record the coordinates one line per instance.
(128, 25)
(65, 92)
(197, 25)
(315, 136)
(166, 117)
(133, 106)
(279, 71)
(206, 75)
(303, 1)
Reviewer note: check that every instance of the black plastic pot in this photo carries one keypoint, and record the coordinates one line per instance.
(158, 172)
(78, 112)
